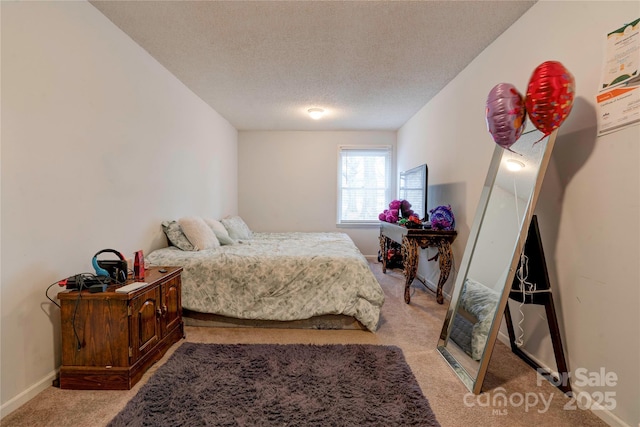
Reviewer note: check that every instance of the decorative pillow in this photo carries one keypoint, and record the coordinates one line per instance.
(176, 236)
(198, 233)
(218, 229)
(481, 302)
(237, 228)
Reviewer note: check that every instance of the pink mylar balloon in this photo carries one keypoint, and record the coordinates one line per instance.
(506, 115)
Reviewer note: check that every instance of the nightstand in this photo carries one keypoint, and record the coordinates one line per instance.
(110, 339)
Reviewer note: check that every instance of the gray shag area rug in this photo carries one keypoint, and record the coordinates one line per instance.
(280, 385)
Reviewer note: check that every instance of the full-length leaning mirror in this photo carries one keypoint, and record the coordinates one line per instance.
(490, 259)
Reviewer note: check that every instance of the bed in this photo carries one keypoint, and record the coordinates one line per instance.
(474, 317)
(278, 277)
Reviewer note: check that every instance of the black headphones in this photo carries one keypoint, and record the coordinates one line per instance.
(116, 269)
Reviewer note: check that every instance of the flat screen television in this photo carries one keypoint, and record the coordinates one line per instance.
(413, 188)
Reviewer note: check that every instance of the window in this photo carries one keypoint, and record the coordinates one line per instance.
(364, 183)
(413, 188)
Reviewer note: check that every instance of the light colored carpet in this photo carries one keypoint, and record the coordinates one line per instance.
(414, 328)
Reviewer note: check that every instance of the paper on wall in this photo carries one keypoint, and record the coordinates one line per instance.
(622, 55)
(618, 103)
(618, 108)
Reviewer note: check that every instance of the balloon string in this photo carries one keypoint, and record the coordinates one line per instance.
(541, 138)
(522, 274)
(520, 339)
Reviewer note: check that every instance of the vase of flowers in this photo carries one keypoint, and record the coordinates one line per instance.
(398, 210)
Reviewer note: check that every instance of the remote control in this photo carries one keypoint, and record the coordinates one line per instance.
(131, 287)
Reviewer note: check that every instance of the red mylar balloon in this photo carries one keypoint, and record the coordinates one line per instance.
(549, 96)
(505, 114)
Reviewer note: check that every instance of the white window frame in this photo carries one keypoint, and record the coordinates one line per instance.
(386, 150)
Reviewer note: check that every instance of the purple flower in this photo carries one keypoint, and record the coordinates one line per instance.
(395, 204)
(442, 218)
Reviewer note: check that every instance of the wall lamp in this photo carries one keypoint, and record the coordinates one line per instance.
(514, 165)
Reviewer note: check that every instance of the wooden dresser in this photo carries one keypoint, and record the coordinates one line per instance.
(110, 339)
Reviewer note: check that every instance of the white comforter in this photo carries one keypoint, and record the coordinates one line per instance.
(279, 276)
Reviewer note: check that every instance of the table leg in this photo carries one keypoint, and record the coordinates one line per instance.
(445, 256)
(410, 259)
(383, 251)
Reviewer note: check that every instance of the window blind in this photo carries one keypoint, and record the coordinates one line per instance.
(364, 183)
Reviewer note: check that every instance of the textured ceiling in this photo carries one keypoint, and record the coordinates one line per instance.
(262, 64)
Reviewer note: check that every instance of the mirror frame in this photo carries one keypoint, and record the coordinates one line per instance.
(474, 383)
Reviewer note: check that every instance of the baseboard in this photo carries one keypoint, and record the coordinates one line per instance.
(504, 338)
(22, 398)
(604, 414)
(608, 417)
(433, 287)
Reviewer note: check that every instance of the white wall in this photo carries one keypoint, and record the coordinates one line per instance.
(288, 181)
(99, 145)
(588, 210)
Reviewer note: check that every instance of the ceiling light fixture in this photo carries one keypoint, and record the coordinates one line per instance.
(514, 165)
(315, 113)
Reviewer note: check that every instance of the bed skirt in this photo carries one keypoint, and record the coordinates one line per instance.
(326, 321)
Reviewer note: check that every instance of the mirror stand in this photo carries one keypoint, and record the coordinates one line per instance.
(538, 274)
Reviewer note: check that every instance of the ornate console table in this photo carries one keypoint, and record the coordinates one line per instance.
(411, 239)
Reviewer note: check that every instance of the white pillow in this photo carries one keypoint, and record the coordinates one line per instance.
(218, 229)
(237, 228)
(199, 233)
